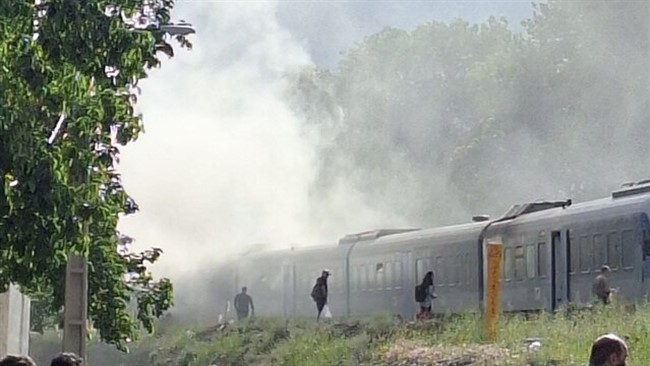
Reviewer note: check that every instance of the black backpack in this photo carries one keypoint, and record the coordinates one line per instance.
(420, 293)
(315, 292)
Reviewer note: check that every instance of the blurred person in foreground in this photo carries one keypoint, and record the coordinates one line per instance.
(608, 350)
(13, 360)
(66, 359)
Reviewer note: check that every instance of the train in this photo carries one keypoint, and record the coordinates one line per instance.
(552, 250)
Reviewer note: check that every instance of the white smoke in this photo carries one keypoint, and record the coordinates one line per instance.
(223, 162)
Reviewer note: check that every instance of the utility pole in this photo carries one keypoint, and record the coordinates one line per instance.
(75, 312)
(75, 306)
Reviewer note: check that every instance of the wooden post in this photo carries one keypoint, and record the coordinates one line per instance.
(76, 306)
(494, 251)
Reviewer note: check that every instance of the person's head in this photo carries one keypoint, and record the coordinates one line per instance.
(326, 273)
(13, 360)
(244, 290)
(608, 350)
(66, 359)
(429, 276)
(605, 269)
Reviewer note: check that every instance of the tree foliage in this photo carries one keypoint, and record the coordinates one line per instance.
(68, 87)
(454, 119)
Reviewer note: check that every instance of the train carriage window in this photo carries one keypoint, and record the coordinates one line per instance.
(586, 261)
(628, 247)
(574, 254)
(461, 269)
(519, 263)
(531, 261)
(419, 270)
(600, 251)
(646, 243)
(542, 263)
(613, 250)
(507, 258)
(372, 277)
(467, 268)
(398, 274)
(452, 271)
(438, 278)
(388, 276)
(379, 274)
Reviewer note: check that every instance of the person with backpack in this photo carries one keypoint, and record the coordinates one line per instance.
(319, 292)
(424, 294)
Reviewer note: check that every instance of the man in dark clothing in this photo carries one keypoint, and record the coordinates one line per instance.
(66, 359)
(319, 292)
(242, 302)
(608, 350)
(600, 287)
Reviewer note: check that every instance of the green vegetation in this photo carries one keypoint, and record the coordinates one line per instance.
(447, 120)
(382, 340)
(68, 89)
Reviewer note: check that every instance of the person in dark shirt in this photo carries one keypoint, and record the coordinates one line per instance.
(319, 292)
(242, 303)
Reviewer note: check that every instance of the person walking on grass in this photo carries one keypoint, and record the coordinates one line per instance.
(242, 303)
(319, 292)
(600, 287)
(424, 295)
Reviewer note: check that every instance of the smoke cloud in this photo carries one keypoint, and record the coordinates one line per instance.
(224, 162)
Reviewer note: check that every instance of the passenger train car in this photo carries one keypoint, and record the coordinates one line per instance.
(552, 252)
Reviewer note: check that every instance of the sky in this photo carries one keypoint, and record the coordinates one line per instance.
(224, 163)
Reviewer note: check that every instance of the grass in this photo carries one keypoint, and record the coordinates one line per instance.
(382, 340)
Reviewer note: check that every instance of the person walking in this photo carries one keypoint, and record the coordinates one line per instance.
(600, 286)
(242, 303)
(425, 293)
(319, 292)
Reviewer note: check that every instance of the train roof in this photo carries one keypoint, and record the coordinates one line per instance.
(629, 195)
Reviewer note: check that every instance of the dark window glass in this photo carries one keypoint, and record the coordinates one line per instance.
(519, 263)
(586, 261)
(542, 262)
(531, 261)
(398, 274)
(600, 251)
(467, 267)
(614, 250)
(575, 254)
(628, 249)
(507, 257)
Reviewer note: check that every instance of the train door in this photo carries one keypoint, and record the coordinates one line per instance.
(289, 289)
(407, 285)
(560, 259)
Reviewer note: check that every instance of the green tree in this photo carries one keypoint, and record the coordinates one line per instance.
(68, 87)
(453, 119)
